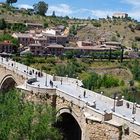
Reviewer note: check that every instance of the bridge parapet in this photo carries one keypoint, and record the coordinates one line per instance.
(68, 80)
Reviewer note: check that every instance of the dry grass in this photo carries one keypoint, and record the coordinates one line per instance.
(109, 29)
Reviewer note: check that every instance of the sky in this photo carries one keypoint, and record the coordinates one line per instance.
(87, 8)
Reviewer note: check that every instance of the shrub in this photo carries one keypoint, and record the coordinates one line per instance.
(95, 81)
(3, 24)
(137, 27)
(96, 24)
(137, 38)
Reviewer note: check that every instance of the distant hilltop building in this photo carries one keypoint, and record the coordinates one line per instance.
(120, 15)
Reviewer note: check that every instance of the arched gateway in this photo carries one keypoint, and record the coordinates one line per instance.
(68, 125)
(7, 83)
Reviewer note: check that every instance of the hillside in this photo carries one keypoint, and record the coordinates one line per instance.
(113, 30)
(13, 15)
(122, 30)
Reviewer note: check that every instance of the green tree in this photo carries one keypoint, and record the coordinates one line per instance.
(41, 8)
(136, 70)
(9, 38)
(94, 81)
(20, 119)
(46, 25)
(73, 30)
(19, 27)
(53, 14)
(3, 24)
(66, 17)
(113, 38)
(10, 2)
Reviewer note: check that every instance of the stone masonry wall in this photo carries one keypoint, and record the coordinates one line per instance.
(131, 136)
(102, 131)
(61, 103)
(3, 72)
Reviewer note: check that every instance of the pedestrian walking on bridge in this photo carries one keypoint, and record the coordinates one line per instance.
(84, 93)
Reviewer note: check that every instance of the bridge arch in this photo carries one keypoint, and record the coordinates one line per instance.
(69, 124)
(8, 82)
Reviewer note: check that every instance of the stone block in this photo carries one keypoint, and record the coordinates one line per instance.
(119, 102)
(107, 116)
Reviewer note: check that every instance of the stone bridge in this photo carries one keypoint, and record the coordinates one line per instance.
(86, 115)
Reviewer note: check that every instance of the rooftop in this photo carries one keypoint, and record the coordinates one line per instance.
(35, 24)
(55, 46)
(21, 35)
(36, 44)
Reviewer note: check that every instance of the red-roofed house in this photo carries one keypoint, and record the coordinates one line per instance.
(7, 47)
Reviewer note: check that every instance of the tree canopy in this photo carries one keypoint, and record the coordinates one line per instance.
(3, 24)
(41, 8)
(53, 14)
(20, 119)
(8, 37)
(10, 2)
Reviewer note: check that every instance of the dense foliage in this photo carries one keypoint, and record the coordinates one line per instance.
(18, 27)
(3, 24)
(96, 23)
(73, 30)
(8, 37)
(20, 119)
(94, 81)
(41, 8)
(72, 68)
(135, 69)
(11, 1)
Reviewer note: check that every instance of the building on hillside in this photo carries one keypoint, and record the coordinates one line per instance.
(73, 38)
(55, 49)
(83, 48)
(51, 49)
(50, 32)
(44, 37)
(113, 43)
(61, 27)
(120, 15)
(101, 41)
(85, 43)
(58, 39)
(34, 26)
(7, 47)
(53, 31)
(42, 40)
(66, 31)
(36, 49)
(87, 47)
(82, 44)
(82, 51)
(24, 39)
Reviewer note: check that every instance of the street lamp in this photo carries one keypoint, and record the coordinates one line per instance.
(134, 108)
(27, 72)
(114, 107)
(134, 103)
(77, 81)
(46, 80)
